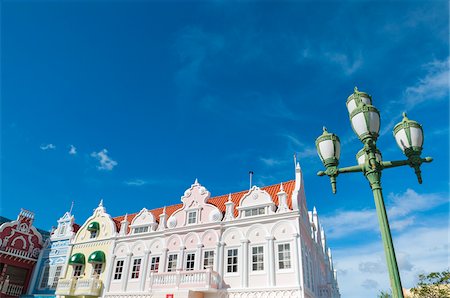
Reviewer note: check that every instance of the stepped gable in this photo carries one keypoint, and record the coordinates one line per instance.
(219, 202)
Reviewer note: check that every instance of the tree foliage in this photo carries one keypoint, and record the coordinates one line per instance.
(433, 285)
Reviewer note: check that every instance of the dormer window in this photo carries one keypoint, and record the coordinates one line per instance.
(62, 230)
(192, 217)
(254, 211)
(93, 227)
(93, 234)
(139, 230)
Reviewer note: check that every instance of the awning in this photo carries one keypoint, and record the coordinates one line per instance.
(97, 257)
(93, 226)
(77, 259)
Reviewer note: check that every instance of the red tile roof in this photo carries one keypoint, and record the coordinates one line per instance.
(219, 202)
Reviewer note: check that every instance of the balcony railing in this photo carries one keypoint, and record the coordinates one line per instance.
(79, 287)
(11, 289)
(201, 279)
(18, 253)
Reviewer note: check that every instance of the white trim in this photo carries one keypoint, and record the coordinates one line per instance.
(250, 259)
(277, 260)
(238, 263)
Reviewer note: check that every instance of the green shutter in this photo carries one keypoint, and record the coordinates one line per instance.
(77, 259)
(97, 257)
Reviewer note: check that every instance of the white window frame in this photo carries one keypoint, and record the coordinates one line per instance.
(291, 256)
(211, 259)
(81, 270)
(192, 262)
(46, 269)
(139, 266)
(153, 264)
(141, 229)
(238, 256)
(94, 234)
(56, 277)
(188, 218)
(95, 268)
(121, 270)
(258, 210)
(250, 265)
(168, 262)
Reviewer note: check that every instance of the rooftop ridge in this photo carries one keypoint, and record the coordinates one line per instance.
(218, 201)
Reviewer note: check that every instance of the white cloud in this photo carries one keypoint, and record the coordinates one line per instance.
(433, 86)
(72, 150)
(348, 64)
(400, 213)
(136, 182)
(47, 147)
(106, 163)
(418, 250)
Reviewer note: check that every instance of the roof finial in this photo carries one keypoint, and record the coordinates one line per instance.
(196, 181)
(126, 217)
(356, 89)
(101, 203)
(314, 210)
(404, 116)
(229, 197)
(164, 210)
(295, 159)
(71, 207)
(250, 173)
(281, 186)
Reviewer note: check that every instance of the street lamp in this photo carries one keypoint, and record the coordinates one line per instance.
(365, 121)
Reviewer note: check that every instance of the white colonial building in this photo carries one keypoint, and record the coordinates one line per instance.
(261, 242)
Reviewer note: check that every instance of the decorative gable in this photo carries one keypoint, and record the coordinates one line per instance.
(143, 222)
(195, 208)
(97, 227)
(20, 238)
(255, 202)
(65, 227)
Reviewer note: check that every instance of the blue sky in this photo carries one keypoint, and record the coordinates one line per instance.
(131, 101)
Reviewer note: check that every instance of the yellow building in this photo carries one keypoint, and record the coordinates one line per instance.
(91, 252)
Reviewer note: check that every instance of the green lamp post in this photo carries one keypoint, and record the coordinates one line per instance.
(365, 121)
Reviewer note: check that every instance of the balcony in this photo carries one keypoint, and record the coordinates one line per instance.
(205, 280)
(88, 287)
(79, 287)
(66, 287)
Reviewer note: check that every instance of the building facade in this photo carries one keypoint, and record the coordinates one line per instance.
(20, 246)
(87, 271)
(260, 242)
(52, 261)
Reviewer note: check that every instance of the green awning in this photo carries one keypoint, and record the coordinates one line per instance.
(97, 257)
(93, 226)
(77, 259)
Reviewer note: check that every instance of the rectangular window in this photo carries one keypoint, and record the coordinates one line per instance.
(97, 269)
(118, 270)
(56, 276)
(172, 263)
(154, 265)
(208, 259)
(284, 256)
(44, 281)
(77, 269)
(255, 211)
(190, 261)
(93, 234)
(232, 260)
(140, 230)
(192, 217)
(257, 258)
(136, 268)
